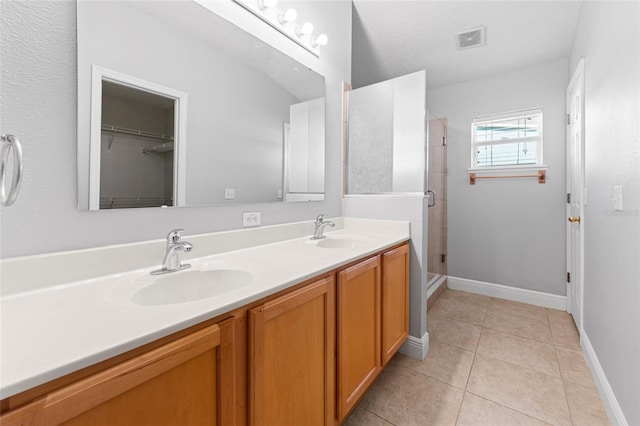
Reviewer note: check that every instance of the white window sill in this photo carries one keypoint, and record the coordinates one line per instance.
(507, 169)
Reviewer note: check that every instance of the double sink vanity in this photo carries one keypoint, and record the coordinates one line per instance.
(267, 326)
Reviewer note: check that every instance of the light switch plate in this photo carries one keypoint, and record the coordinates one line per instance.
(229, 194)
(617, 198)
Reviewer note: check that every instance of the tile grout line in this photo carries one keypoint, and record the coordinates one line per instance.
(452, 345)
(489, 307)
(560, 376)
(380, 417)
(457, 319)
(509, 408)
(497, 330)
(504, 406)
(555, 346)
(492, 305)
(433, 378)
(475, 305)
(475, 352)
(564, 388)
(528, 368)
(517, 335)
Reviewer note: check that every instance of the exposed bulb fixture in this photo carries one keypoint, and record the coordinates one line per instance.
(289, 16)
(265, 4)
(304, 29)
(285, 21)
(321, 40)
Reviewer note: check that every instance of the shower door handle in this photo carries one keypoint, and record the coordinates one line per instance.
(432, 198)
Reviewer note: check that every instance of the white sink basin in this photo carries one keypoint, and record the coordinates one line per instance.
(337, 243)
(191, 285)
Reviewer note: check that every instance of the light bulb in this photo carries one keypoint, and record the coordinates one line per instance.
(289, 16)
(264, 4)
(305, 29)
(321, 40)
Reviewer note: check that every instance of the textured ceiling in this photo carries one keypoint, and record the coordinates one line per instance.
(396, 37)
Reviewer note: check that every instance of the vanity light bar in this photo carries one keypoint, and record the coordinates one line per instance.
(285, 23)
(289, 16)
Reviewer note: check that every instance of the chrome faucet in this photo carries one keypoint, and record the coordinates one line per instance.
(321, 223)
(175, 248)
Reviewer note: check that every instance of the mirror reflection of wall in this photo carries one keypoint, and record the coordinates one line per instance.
(137, 144)
(386, 137)
(239, 89)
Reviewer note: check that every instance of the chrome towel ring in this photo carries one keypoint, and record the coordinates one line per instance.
(10, 143)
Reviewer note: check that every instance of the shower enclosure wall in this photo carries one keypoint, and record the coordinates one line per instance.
(385, 176)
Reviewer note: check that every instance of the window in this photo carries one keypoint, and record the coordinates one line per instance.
(510, 139)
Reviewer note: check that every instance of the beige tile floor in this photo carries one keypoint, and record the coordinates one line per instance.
(490, 362)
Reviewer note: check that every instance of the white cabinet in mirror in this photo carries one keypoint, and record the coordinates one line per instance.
(304, 152)
(138, 62)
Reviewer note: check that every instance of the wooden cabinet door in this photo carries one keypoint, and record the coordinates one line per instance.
(395, 300)
(291, 358)
(185, 382)
(358, 331)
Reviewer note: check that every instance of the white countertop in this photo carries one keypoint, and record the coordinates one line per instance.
(50, 332)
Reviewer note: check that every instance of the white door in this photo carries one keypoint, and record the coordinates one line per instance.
(575, 193)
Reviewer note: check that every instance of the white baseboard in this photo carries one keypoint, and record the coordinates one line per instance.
(616, 416)
(415, 347)
(436, 285)
(531, 297)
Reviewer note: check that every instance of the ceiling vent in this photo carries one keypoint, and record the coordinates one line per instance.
(471, 38)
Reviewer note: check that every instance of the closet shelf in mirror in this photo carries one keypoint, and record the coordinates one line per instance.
(136, 132)
(119, 202)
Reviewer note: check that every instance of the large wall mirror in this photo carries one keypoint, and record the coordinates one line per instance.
(178, 107)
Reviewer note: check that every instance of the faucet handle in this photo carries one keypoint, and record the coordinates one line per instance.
(174, 236)
(320, 218)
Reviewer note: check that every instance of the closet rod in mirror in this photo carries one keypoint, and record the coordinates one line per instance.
(135, 132)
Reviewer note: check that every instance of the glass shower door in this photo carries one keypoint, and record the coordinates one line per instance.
(437, 186)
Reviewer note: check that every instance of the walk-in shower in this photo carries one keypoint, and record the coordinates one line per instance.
(437, 211)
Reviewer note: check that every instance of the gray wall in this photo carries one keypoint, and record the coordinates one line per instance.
(507, 231)
(38, 103)
(608, 37)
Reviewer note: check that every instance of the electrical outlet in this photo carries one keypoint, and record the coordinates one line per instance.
(229, 194)
(251, 219)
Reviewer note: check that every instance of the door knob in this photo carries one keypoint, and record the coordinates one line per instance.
(574, 219)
